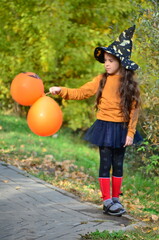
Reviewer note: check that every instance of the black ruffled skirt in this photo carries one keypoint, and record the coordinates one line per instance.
(109, 134)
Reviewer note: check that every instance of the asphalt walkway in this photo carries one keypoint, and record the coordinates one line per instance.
(31, 209)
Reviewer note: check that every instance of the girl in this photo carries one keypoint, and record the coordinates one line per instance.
(117, 103)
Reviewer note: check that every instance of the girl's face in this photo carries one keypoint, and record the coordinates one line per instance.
(112, 65)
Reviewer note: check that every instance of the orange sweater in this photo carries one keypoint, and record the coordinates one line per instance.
(109, 106)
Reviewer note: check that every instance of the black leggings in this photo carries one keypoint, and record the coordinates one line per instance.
(111, 157)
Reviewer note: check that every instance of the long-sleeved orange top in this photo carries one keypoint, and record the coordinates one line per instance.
(109, 106)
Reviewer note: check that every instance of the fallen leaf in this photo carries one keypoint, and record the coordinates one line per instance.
(154, 217)
(146, 220)
(156, 193)
(49, 157)
(122, 225)
(44, 150)
(84, 222)
(5, 181)
(155, 228)
(17, 187)
(136, 227)
(137, 201)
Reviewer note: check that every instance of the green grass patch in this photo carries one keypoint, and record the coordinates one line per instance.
(140, 233)
(18, 141)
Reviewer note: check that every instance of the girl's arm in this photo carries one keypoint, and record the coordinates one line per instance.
(134, 114)
(87, 90)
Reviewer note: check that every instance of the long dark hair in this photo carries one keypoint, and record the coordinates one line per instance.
(128, 91)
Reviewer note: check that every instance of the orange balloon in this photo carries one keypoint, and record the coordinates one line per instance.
(45, 117)
(26, 88)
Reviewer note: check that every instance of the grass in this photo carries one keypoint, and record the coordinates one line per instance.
(17, 139)
(145, 234)
(66, 161)
(20, 147)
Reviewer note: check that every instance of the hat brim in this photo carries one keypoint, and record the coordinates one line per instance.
(125, 62)
(99, 53)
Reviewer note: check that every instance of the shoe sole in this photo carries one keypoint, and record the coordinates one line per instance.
(119, 214)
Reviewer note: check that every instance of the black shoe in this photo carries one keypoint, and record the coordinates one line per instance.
(117, 212)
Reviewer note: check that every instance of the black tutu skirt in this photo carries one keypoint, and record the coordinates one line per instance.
(109, 134)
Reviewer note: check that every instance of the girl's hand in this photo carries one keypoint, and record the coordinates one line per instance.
(129, 141)
(55, 90)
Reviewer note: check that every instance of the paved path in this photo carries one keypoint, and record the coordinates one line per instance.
(31, 209)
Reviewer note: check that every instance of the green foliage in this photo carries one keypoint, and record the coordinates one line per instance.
(147, 55)
(144, 159)
(147, 46)
(56, 40)
(73, 112)
(149, 159)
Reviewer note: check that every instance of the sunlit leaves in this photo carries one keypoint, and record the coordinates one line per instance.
(56, 40)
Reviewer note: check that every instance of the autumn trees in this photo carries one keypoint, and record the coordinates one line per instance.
(56, 40)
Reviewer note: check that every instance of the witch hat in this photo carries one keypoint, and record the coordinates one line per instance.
(121, 48)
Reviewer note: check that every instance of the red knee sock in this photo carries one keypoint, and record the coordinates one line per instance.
(116, 186)
(105, 187)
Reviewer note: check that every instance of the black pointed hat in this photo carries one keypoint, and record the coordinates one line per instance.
(121, 48)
